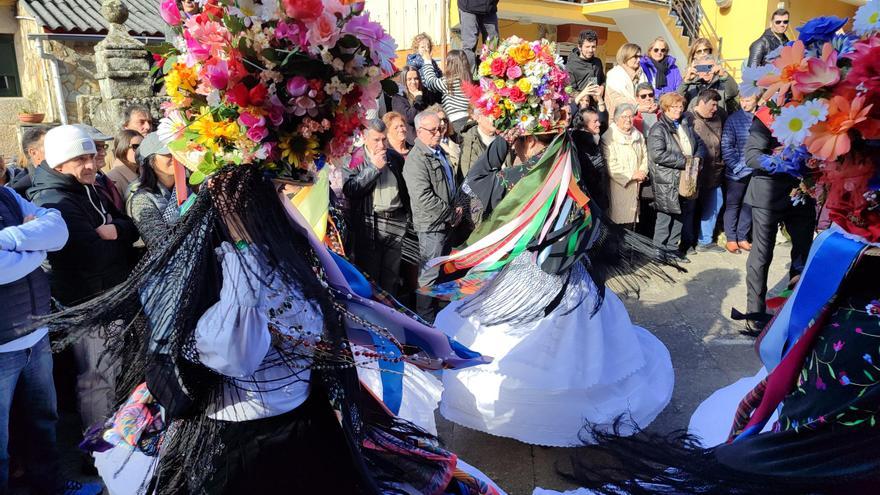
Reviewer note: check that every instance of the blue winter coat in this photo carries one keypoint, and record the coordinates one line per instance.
(733, 143)
(673, 79)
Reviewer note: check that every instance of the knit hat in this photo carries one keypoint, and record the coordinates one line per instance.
(66, 142)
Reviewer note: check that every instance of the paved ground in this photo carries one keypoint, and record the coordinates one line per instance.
(691, 318)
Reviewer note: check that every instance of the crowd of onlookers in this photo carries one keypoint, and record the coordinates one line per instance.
(664, 147)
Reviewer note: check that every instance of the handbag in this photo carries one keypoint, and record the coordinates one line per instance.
(687, 180)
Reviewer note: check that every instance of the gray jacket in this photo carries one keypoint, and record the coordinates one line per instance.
(429, 194)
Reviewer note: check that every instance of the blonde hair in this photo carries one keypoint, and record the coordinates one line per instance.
(697, 44)
(626, 52)
(418, 39)
(670, 99)
(389, 117)
(659, 39)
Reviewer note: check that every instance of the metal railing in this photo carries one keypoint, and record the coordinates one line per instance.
(695, 23)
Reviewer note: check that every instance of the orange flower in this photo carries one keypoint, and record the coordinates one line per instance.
(830, 139)
(790, 62)
(522, 53)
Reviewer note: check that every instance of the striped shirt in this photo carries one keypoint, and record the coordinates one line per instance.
(455, 102)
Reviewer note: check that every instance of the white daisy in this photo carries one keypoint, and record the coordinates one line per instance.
(751, 75)
(867, 18)
(792, 125)
(818, 109)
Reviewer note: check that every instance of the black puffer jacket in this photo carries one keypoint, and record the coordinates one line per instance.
(759, 49)
(666, 161)
(478, 6)
(582, 70)
(88, 265)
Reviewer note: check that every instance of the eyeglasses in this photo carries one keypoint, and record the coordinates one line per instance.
(101, 146)
(702, 50)
(431, 131)
(660, 50)
(135, 146)
(781, 23)
(645, 96)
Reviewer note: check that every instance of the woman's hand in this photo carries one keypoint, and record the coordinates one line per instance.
(511, 135)
(691, 73)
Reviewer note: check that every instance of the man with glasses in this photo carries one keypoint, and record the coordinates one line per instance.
(773, 38)
(430, 181)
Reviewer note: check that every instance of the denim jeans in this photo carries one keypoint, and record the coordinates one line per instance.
(711, 201)
(737, 214)
(27, 376)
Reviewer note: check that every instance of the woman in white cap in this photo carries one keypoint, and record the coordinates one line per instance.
(152, 202)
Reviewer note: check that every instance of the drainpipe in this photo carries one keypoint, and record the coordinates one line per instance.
(56, 78)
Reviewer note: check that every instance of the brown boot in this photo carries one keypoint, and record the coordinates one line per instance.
(745, 245)
(732, 247)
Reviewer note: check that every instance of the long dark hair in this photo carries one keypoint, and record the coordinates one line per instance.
(403, 73)
(147, 178)
(123, 144)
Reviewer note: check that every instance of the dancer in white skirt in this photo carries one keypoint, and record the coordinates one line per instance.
(530, 282)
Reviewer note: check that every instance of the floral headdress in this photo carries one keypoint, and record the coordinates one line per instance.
(521, 85)
(822, 90)
(284, 84)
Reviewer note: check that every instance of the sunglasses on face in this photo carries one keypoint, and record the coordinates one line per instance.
(660, 50)
(703, 50)
(781, 23)
(135, 146)
(645, 96)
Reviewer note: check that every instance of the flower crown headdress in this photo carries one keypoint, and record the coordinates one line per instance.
(283, 84)
(521, 86)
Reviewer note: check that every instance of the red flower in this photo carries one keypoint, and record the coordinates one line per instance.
(211, 9)
(498, 67)
(864, 77)
(517, 96)
(303, 10)
(244, 97)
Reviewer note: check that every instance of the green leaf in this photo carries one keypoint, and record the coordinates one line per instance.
(163, 49)
(870, 377)
(196, 178)
(853, 423)
(831, 371)
(234, 24)
(169, 63)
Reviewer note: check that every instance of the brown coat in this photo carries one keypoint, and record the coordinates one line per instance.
(624, 154)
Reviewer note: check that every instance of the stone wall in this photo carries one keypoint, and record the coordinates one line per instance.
(76, 68)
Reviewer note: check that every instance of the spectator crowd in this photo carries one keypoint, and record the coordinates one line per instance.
(668, 149)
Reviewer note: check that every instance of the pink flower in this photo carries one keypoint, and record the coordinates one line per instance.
(838, 346)
(514, 72)
(294, 32)
(370, 94)
(819, 72)
(275, 111)
(303, 105)
(170, 13)
(256, 126)
(303, 10)
(297, 86)
(820, 385)
(195, 50)
(324, 31)
(383, 48)
(218, 74)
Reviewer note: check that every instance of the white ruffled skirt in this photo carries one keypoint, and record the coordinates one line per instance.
(551, 376)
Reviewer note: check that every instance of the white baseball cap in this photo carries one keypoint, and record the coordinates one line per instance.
(94, 133)
(66, 142)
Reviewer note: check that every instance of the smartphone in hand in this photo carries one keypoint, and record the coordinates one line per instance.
(704, 68)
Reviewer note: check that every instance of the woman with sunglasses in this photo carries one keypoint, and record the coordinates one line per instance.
(125, 168)
(706, 71)
(660, 68)
(622, 79)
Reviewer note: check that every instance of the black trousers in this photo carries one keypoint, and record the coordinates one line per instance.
(676, 232)
(800, 222)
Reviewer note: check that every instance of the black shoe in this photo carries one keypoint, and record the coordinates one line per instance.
(679, 257)
(752, 329)
(710, 248)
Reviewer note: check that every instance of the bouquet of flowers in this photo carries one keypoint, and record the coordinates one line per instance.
(521, 85)
(283, 83)
(821, 92)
